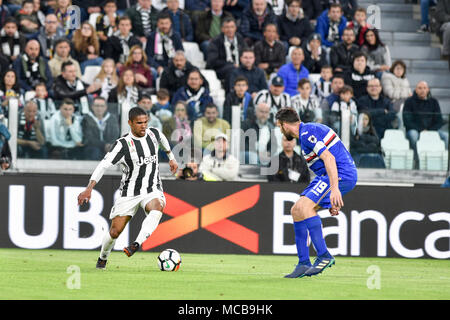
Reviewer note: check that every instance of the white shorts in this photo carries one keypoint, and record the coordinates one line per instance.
(127, 206)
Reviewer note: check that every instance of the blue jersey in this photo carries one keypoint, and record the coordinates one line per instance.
(315, 138)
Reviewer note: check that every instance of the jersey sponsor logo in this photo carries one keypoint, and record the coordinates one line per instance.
(147, 160)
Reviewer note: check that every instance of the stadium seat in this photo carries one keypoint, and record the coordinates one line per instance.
(93, 19)
(397, 153)
(90, 73)
(314, 77)
(431, 151)
(194, 55)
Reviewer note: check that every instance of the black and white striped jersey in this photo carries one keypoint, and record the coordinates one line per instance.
(138, 159)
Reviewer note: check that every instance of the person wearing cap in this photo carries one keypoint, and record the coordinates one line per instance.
(293, 71)
(315, 55)
(208, 126)
(219, 165)
(270, 54)
(275, 97)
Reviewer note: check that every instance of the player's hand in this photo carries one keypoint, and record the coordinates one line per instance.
(173, 166)
(336, 198)
(84, 197)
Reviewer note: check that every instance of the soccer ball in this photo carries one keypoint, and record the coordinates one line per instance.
(169, 260)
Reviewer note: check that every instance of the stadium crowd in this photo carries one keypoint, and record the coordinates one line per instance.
(263, 52)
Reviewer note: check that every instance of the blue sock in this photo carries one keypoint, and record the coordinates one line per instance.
(301, 237)
(314, 225)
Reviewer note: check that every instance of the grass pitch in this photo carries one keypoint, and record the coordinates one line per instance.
(45, 274)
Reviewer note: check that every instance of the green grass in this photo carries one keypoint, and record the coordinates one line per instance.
(42, 274)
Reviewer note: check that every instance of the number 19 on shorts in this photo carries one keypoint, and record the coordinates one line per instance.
(319, 188)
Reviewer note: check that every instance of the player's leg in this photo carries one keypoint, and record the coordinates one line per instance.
(153, 207)
(298, 210)
(118, 223)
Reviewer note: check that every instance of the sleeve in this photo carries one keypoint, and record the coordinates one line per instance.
(310, 141)
(111, 158)
(163, 142)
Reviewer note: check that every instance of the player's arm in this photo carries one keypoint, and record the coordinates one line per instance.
(110, 159)
(166, 147)
(331, 168)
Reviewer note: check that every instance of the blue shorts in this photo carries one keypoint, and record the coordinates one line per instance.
(319, 190)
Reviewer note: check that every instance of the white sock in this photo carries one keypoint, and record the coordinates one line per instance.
(107, 245)
(149, 225)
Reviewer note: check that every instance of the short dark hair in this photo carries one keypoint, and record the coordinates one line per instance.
(40, 84)
(61, 40)
(288, 115)
(240, 79)
(359, 54)
(398, 63)
(109, 1)
(302, 82)
(227, 20)
(345, 89)
(163, 93)
(68, 101)
(136, 112)
(65, 64)
(211, 105)
(163, 15)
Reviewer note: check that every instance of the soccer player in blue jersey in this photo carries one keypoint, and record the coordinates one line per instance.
(336, 175)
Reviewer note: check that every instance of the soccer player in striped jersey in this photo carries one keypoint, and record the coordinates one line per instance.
(137, 154)
(336, 175)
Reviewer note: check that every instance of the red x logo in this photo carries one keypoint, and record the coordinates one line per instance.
(212, 217)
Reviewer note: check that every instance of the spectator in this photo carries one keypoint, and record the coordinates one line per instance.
(175, 75)
(422, 112)
(322, 87)
(359, 25)
(145, 102)
(270, 54)
(236, 8)
(100, 130)
(225, 49)
(239, 96)
(220, 165)
(379, 107)
(137, 62)
(162, 43)
(181, 23)
(107, 77)
(177, 129)
(294, 27)
(256, 77)
(365, 142)
(127, 91)
(345, 102)
(62, 54)
(45, 104)
(292, 167)
(31, 68)
(30, 133)
(395, 84)
(294, 71)
(277, 6)
(107, 23)
(4, 14)
(63, 15)
(196, 95)
(275, 97)
(306, 104)
(162, 107)
(358, 76)
(26, 17)
(331, 24)
(65, 133)
(259, 150)
(341, 54)
(190, 172)
(48, 36)
(315, 55)
(208, 127)
(68, 85)
(12, 41)
(378, 54)
(5, 135)
(312, 9)
(337, 83)
(119, 44)
(253, 20)
(86, 47)
(209, 25)
(443, 20)
(9, 88)
(143, 17)
(348, 7)
(424, 13)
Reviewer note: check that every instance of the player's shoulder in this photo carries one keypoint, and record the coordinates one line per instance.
(155, 132)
